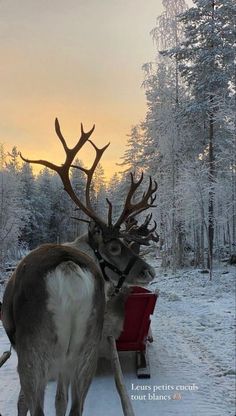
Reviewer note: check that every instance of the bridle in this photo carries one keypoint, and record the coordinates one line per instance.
(123, 274)
(103, 263)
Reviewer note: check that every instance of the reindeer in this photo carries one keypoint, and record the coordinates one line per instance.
(54, 303)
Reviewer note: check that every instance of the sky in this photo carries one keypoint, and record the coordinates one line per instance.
(80, 61)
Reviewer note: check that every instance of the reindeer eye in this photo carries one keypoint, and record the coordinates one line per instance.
(114, 248)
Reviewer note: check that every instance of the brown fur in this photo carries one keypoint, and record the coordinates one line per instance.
(28, 294)
(31, 330)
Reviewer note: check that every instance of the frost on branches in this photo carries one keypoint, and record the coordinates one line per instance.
(187, 138)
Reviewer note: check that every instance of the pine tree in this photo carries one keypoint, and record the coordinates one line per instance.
(29, 202)
(162, 127)
(134, 152)
(99, 187)
(12, 212)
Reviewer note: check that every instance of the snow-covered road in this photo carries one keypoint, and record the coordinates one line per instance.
(192, 355)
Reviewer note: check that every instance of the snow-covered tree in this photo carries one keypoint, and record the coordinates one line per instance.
(206, 62)
(188, 135)
(12, 213)
(29, 203)
(99, 187)
(134, 153)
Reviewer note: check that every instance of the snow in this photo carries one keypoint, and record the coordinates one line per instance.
(193, 330)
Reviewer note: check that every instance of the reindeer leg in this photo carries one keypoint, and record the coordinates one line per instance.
(78, 396)
(32, 372)
(21, 404)
(61, 396)
(78, 392)
(26, 402)
(81, 383)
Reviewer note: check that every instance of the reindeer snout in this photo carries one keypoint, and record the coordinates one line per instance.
(149, 274)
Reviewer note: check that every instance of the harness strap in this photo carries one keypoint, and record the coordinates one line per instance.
(123, 274)
(102, 264)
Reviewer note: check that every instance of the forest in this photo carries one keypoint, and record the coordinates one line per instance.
(186, 141)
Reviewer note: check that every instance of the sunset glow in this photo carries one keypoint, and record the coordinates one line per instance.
(79, 61)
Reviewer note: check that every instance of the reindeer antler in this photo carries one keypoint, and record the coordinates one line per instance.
(132, 209)
(64, 169)
(140, 233)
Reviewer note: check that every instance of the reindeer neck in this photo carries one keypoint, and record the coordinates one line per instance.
(82, 243)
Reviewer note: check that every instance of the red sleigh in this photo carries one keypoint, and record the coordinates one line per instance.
(136, 334)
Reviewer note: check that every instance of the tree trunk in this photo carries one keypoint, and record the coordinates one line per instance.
(211, 190)
(197, 248)
(233, 248)
(202, 245)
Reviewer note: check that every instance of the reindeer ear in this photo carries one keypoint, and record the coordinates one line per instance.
(95, 231)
